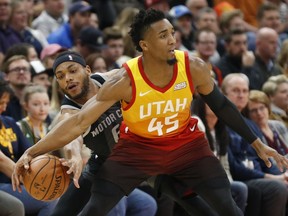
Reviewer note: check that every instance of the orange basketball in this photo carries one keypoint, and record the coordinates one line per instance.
(46, 178)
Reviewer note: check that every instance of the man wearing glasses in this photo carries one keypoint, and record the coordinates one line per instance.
(17, 73)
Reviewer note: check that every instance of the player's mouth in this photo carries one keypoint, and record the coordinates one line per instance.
(71, 86)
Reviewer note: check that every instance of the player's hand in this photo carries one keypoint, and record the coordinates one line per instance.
(265, 152)
(75, 165)
(21, 166)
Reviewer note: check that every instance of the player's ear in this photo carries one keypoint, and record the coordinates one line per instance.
(143, 45)
(88, 70)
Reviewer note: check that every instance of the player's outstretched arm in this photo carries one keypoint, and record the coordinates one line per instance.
(228, 113)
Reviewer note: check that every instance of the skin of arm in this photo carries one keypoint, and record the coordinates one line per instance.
(72, 151)
(204, 84)
(6, 164)
(70, 128)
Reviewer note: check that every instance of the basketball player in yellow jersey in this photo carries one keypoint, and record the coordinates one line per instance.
(158, 134)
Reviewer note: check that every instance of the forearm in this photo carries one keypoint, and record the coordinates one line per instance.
(228, 113)
(6, 165)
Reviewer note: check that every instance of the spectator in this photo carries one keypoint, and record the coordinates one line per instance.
(90, 40)
(24, 49)
(265, 55)
(196, 5)
(113, 53)
(277, 90)
(41, 75)
(268, 15)
(124, 21)
(17, 72)
(13, 144)
(49, 53)
(274, 131)
(230, 20)
(205, 47)
(51, 18)
(207, 18)
(243, 161)
(67, 34)
(8, 36)
(237, 58)
(36, 103)
(96, 62)
(19, 22)
(183, 20)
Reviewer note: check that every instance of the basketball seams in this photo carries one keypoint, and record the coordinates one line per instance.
(53, 176)
(39, 171)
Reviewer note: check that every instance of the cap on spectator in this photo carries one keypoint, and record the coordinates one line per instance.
(50, 50)
(38, 68)
(79, 6)
(92, 37)
(179, 11)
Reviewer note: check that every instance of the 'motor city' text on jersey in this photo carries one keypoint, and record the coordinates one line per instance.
(102, 135)
(156, 112)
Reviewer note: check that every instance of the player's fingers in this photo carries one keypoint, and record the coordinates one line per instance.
(16, 182)
(26, 161)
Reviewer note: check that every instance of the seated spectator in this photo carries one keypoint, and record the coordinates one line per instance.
(12, 145)
(24, 49)
(274, 131)
(36, 102)
(205, 47)
(90, 40)
(49, 53)
(8, 36)
(265, 55)
(41, 75)
(68, 33)
(277, 90)
(19, 22)
(51, 18)
(17, 72)
(237, 58)
(96, 62)
(268, 183)
(182, 18)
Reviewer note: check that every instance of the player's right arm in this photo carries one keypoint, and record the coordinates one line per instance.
(117, 87)
(73, 159)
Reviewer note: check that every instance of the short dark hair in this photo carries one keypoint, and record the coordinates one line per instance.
(233, 32)
(5, 88)
(141, 24)
(268, 6)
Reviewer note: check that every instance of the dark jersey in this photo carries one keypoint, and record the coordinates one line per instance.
(102, 135)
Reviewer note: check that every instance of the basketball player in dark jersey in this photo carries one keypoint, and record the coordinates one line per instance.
(158, 134)
(100, 138)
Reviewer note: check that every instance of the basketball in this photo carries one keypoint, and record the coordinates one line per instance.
(46, 178)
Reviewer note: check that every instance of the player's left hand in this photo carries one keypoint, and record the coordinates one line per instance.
(265, 152)
(75, 165)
